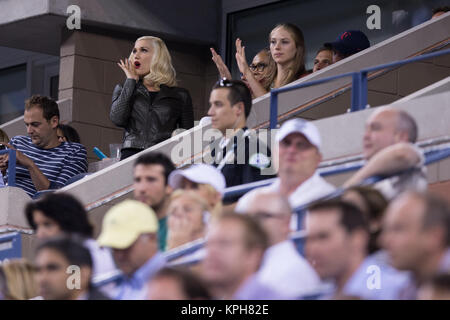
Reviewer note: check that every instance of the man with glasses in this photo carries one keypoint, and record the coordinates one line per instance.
(283, 269)
(299, 156)
(240, 156)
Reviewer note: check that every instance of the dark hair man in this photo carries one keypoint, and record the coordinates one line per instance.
(234, 251)
(337, 247)
(58, 214)
(63, 271)
(239, 154)
(151, 172)
(348, 43)
(43, 162)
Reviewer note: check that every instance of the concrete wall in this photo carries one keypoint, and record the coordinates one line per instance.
(22, 22)
(89, 73)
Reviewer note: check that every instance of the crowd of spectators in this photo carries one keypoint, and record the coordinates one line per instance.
(390, 240)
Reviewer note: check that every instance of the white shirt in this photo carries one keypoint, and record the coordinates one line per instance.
(285, 271)
(2, 184)
(310, 190)
(415, 180)
(101, 258)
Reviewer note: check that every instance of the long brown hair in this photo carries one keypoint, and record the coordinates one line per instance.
(298, 67)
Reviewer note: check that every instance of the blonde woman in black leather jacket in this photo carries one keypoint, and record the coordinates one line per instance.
(148, 105)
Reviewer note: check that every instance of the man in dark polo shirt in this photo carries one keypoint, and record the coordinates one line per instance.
(43, 162)
(239, 154)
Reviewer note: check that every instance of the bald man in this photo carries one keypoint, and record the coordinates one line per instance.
(283, 269)
(416, 236)
(388, 148)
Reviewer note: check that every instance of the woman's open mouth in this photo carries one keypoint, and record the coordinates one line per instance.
(137, 64)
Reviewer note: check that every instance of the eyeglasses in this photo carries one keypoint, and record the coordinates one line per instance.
(258, 67)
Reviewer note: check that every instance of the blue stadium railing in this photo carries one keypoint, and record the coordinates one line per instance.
(298, 237)
(359, 84)
(431, 157)
(11, 166)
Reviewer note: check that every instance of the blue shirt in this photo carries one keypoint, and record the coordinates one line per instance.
(58, 164)
(375, 279)
(409, 291)
(135, 287)
(253, 289)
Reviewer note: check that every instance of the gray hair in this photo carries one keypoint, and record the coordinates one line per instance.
(406, 123)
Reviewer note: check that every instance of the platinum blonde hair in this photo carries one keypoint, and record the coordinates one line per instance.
(161, 68)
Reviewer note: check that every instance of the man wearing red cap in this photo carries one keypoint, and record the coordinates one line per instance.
(347, 44)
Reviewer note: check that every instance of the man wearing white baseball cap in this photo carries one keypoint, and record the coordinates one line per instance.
(205, 179)
(130, 229)
(299, 156)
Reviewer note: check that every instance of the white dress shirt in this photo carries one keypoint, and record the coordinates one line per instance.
(310, 190)
(285, 271)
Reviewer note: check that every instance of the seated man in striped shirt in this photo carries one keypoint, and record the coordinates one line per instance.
(43, 162)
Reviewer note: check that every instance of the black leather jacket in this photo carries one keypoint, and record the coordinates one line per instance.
(145, 123)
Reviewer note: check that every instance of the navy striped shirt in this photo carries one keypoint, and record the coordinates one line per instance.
(58, 164)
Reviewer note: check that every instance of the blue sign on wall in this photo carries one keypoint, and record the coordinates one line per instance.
(10, 246)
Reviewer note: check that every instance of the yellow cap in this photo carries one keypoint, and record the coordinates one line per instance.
(125, 222)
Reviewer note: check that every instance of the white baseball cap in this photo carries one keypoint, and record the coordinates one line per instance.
(304, 127)
(199, 173)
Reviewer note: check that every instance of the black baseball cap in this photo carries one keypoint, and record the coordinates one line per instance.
(350, 42)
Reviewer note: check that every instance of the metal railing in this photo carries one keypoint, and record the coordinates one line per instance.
(11, 166)
(191, 247)
(359, 84)
(232, 192)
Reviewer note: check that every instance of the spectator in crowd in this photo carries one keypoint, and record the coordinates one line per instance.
(262, 67)
(436, 12)
(149, 106)
(4, 139)
(205, 180)
(59, 214)
(323, 59)
(64, 271)
(177, 284)
(372, 204)
(151, 172)
(230, 104)
(187, 218)
(348, 43)
(337, 247)
(283, 269)
(130, 228)
(416, 235)
(299, 156)
(388, 148)
(436, 288)
(234, 251)
(287, 47)
(17, 280)
(67, 133)
(43, 162)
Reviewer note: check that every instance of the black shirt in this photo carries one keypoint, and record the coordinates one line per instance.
(242, 160)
